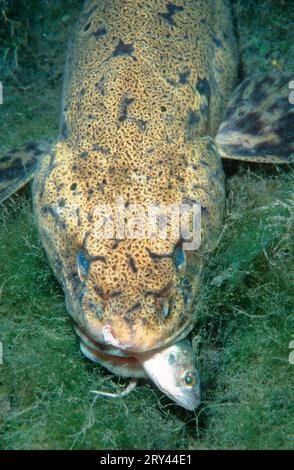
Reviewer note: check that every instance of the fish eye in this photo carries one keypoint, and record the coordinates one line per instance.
(165, 308)
(180, 259)
(83, 264)
(186, 282)
(189, 378)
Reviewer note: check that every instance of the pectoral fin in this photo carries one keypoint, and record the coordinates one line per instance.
(18, 166)
(258, 125)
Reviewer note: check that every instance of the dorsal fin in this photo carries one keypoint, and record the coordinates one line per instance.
(258, 125)
(18, 166)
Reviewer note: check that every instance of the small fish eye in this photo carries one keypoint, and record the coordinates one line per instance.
(189, 378)
(83, 264)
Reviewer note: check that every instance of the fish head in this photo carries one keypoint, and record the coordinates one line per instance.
(173, 371)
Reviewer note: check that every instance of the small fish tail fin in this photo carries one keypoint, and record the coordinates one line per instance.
(258, 125)
(17, 167)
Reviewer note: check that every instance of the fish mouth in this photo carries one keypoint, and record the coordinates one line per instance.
(188, 405)
(118, 365)
(191, 401)
(99, 346)
(160, 366)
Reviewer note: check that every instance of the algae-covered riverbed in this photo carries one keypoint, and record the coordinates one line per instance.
(246, 311)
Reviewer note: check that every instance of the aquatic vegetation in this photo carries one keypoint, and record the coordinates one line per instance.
(266, 34)
(245, 314)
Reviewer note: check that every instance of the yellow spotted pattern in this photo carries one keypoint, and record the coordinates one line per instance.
(145, 88)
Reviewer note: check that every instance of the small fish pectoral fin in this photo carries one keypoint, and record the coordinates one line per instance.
(132, 385)
(258, 125)
(17, 167)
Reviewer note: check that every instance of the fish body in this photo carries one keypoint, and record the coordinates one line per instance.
(144, 83)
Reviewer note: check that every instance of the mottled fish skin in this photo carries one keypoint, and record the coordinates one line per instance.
(258, 125)
(145, 82)
(18, 165)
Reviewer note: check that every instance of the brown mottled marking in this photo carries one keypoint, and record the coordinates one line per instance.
(132, 264)
(259, 123)
(18, 165)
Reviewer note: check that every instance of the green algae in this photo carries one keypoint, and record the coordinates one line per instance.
(245, 313)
